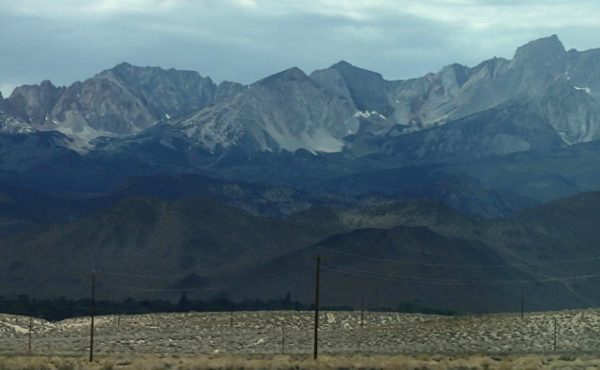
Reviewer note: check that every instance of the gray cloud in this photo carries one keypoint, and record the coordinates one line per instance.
(244, 40)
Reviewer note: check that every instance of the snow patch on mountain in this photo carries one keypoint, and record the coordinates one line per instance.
(367, 114)
(10, 125)
(586, 89)
(362, 114)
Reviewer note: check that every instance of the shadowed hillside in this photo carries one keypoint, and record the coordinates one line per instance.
(390, 252)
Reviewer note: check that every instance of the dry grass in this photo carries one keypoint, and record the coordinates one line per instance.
(388, 341)
(280, 362)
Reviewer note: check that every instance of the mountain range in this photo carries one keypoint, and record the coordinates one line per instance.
(167, 165)
(324, 111)
(302, 130)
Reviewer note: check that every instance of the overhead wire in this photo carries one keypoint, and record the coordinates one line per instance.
(163, 276)
(220, 284)
(415, 263)
(221, 273)
(434, 281)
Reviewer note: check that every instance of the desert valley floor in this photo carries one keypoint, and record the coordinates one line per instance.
(545, 338)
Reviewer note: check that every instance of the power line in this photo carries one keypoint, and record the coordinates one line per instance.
(415, 263)
(220, 285)
(363, 273)
(162, 276)
(170, 276)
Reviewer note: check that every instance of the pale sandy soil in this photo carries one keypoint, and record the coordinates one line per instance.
(254, 333)
(297, 362)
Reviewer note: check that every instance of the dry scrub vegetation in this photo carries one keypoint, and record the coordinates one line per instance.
(276, 362)
(253, 340)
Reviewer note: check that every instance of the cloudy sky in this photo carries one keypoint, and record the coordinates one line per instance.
(245, 40)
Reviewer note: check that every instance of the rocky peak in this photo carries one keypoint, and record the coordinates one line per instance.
(491, 67)
(353, 74)
(455, 74)
(293, 74)
(228, 88)
(32, 103)
(166, 93)
(125, 68)
(285, 111)
(367, 89)
(100, 106)
(126, 99)
(342, 64)
(547, 53)
(350, 71)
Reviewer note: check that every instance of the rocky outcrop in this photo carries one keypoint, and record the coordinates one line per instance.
(339, 107)
(33, 103)
(286, 111)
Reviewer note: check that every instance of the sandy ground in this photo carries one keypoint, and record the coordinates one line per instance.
(290, 333)
(297, 362)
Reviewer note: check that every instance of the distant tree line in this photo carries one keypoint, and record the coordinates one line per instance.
(61, 308)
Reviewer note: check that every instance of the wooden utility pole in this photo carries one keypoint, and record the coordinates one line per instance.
(230, 319)
(362, 310)
(555, 332)
(283, 338)
(30, 328)
(522, 302)
(93, 309)
(316, 336)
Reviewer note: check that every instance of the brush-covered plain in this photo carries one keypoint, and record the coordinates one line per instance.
(281, 340)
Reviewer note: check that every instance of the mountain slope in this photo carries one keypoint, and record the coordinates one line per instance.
(386, 267)
(21, 208)
(564, 229)
(117, 102)
(365, 88)
(33, 103)
(164, 239)
(405, 251)
(286, 111)
(290, 111)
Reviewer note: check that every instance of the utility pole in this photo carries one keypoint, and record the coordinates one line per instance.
(93, 309)
(230, 319)
(362, 310)
(555, 332)
(30, 328)
(316, 337)
(283, 338)
(522, 302)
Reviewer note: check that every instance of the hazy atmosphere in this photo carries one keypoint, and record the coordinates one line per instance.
(256, 184)
(244, 40)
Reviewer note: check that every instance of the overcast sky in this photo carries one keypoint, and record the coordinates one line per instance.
(245, 40)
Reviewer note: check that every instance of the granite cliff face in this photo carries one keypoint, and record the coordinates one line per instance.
(457, 91)
(126, 100)
(551, 92)
(118, 102)
(297, 129)
(33, 103)
(542, 99)
(286, 111)
(8, 123)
